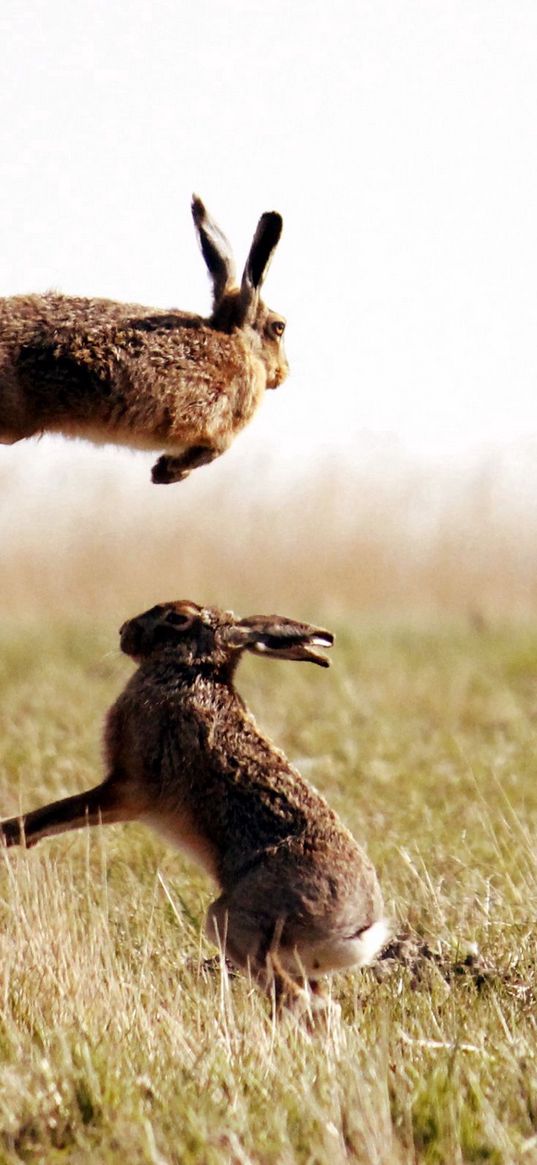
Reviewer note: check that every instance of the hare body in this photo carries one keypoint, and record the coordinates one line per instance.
(298, 896)
(121, 373)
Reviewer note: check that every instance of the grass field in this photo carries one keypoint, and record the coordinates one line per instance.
(117, 1044)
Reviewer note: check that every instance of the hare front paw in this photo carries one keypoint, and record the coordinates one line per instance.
(168, 469)
(165, 471)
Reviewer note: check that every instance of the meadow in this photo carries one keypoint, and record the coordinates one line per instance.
(121, 1039)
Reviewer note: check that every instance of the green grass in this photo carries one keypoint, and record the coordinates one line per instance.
(118, 1045)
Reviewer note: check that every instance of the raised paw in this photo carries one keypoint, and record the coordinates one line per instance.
(163, 472)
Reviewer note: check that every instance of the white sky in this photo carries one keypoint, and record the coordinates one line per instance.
(398, 140)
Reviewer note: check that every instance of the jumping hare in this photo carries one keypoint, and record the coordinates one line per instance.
(120, 373)
(299, 898)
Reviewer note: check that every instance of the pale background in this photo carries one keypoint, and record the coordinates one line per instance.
(398, 140)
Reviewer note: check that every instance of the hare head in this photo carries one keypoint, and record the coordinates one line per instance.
(208, 636)
(241, 306)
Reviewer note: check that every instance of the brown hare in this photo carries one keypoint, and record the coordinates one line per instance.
(120, 373)
(298, 897)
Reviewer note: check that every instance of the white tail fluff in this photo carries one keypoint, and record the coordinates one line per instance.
(373, 940)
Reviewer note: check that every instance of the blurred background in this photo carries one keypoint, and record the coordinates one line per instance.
(396, 469)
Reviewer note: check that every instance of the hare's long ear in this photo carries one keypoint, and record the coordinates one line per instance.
(280, 638)
(215, 250)
(265, 241)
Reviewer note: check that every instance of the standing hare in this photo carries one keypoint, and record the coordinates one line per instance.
(136, 376)
(299, 898)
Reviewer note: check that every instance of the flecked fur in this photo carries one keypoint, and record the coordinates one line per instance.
(298, 896)
(121, 373)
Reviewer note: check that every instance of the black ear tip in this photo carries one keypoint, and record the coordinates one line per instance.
(198, 209)
(272, 223)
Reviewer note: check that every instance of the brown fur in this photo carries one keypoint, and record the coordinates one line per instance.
(298, 895)
(126, 374)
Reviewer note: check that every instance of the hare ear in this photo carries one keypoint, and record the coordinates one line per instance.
(264, 243)
(280, 638)
(215, 250)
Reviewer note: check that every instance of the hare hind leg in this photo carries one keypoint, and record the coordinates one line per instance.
(103, 804)
(241, 939)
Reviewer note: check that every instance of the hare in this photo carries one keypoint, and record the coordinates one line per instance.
(298, 897)
(120, 373)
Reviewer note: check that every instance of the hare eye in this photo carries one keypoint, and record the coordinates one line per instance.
(178, 620)
(278, 328)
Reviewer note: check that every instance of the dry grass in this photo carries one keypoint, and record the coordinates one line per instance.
(89, 534)
(117, 1045)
